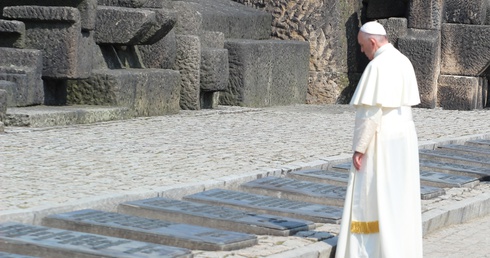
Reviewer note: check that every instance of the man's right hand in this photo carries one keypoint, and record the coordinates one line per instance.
(356, 160)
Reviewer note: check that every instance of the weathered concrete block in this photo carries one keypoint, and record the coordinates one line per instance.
(12, 34)
(87, 8)
(234, 20)
(23, 68)
(131, 26)
(422, 47)
(123, 3)
(69, 53)
(425, 14)
(380, 9)
(214, 69)
(149, 92)
(466, 12)
(395, 28)
(188, 63)
(162, 54)
(459, 92)
(465, 49)
(266, 72)
(189, 21)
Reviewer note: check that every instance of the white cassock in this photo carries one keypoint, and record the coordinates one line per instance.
(382, 212)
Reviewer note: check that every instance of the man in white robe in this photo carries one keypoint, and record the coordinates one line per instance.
(382, 212)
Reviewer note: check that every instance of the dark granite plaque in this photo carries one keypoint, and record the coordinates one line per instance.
(298, 190)
(438, 179)
(429, 192)
(271, 205)
(455, 169)
(51, 242)
(150, 230)
(322, 176)
(214, 216)
(318, 235)
(465, 149)
(479, 143)
(456, 158)
(342, 167)
(10, 255)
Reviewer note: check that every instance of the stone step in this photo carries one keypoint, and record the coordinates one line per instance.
(214, 216)
(428, 178)
(150, 230)
(482, 174)
(270, 205)
(297, 190)
(466, 149)
(46, 116)
(456, 158)
(51, 242)
(479, 143)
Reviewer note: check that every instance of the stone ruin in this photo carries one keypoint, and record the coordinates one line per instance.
(157, 57)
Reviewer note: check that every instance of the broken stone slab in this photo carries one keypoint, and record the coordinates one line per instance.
(69, 53)
(3, 108)
(466, 12)
(87, 8)
(427, 15)
(456, 158)
(123, 3)
(214, 216)
(270, 205)
(190, 19)
(460, 92)
(162, 54)
(12, 34)
(465, 49)
(150, 230)
(212, 39)
(465, 149)
(479, 143)
(214, 72)
(132, 26)
(148, 92)
(10, 255)
(158, 4)
(422, 47)
(266, 73)
(23, 67)
(297, 190)
(50, 242)
(379, 9)
(455, 169)
(188, 63)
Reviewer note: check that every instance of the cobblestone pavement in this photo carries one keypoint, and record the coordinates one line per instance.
(43, 167)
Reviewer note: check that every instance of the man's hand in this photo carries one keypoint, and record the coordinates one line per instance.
(356, 160)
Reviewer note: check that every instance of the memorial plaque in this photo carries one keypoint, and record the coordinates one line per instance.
(150, 230)
(322, 176)
(479, 143)
(466, 149)
(438, 179)
(342, 167)
(429, 192)
(271, 205)
(10, 255)
(214, 216)
(51, 242)
(298, 190)
(456, 158)
(455, 169)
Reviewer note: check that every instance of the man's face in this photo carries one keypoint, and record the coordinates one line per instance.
(367, 45)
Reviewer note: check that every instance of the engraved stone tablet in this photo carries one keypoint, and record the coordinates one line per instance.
(342, 167)
(322, 176)
(271, 205)
(438, 179)
(9, 255)
(429, 192)
(214, 216)
(298, 190)
(465, 149)
(51, 242)
(455, 169)
(479, 143)
(150, 230)
(456, 158)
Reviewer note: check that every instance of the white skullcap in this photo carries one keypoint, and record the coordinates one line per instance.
(373, 28)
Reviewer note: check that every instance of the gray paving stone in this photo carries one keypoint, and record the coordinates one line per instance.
(214, 216)
(150, 230)
(51, 242)
(297, 190)
(456, 158)
(270, 205)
